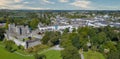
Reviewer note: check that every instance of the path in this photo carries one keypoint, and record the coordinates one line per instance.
(82, 56)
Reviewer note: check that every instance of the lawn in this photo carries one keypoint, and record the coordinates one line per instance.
(7, 55)
(53, 54)
(4, 54)
(93, 55)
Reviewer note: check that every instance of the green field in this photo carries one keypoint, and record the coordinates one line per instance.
(93, 55)
(7, 55)
(53, 54)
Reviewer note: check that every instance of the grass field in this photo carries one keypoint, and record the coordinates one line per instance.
(4, 54)
(53, 54)
(7, 55)
(93, 55)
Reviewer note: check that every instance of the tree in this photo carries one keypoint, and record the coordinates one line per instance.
(66, 31)
(113, 55)
(74, 30)
(55, 36)
(34, 23)
(51, 38)
(118, 36)
(70, 53)
(92, 32)
(37, 56)
(6, 25)
(10, 46)
(2, 31)
(65, 41)
(110, 45)
(45, 39)
(75, 40)
(99, 39)
(83, 42)
(118, 46)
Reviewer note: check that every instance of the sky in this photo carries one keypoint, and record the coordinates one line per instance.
(61, 4)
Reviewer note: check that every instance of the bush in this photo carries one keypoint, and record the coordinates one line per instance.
(37, 56)
(10, 46)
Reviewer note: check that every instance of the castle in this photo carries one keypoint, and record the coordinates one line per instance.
(21, 35)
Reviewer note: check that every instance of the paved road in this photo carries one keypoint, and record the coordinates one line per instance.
(82, 56)
(57, 47)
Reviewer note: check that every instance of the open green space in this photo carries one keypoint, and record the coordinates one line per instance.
(53, 54)
(4, 54)
(7, 55)
(93, 55)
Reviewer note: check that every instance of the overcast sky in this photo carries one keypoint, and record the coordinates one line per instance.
(61, 4)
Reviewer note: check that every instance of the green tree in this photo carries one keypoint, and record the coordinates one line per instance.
(10, 46)
(66, 31)
(6, 25)
(37, 56)
(74, 30)
(113, 55)
(51, 38)
(65, 41)
(98, 39)
(75, 40)
(118, 46)
(70, 53)
(110, 45)
(2, 31)
(34, 23)
(46, 37)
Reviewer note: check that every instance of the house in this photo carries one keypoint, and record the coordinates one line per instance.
(115, 24)
(2, 24)
(54, 27)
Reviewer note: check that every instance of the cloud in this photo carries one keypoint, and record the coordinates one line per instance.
(64, 0)
(38, 8)
(81, 3)
(4, 2)
(26, 2)
(11, 4)
(17, 7)
(29, 7)
(49, 2)
(17, 1)
(8, 4)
